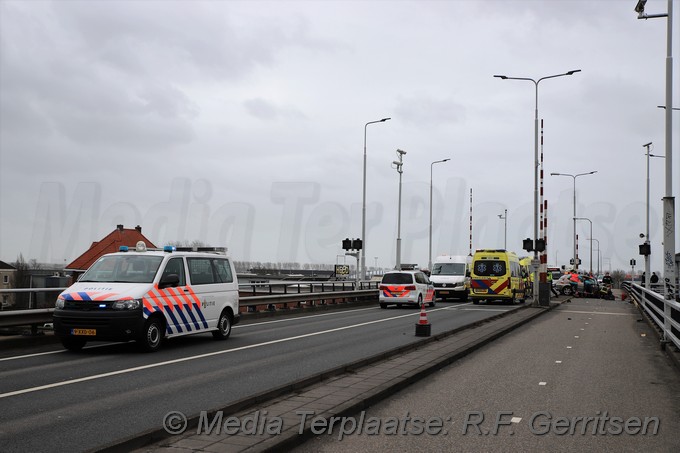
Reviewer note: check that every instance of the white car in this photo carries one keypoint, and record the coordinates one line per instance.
(406, 287)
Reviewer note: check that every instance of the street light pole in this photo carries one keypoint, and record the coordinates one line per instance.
(504, 217)
(398, 164)
(598, 253)
(536, 164)
(591, 242)
(669, 270)
(429, 261)
(574, 216)
(363, 205)
(647, 242)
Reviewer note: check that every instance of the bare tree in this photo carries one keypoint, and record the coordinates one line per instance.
(618, 276)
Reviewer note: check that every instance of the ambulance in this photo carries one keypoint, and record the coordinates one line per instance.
(496, 275)
(148, 295)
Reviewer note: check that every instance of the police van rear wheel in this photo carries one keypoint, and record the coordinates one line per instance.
(152, 335)
(223, 327)
(383, 305)
(73, 344)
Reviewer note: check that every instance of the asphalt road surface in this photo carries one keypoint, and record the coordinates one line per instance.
(54, 400)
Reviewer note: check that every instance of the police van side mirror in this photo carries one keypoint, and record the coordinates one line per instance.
(169, 280)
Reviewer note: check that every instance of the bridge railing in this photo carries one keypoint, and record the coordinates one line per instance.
(253, 298)
(664, 313)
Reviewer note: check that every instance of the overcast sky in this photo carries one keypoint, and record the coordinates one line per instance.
(242, 124)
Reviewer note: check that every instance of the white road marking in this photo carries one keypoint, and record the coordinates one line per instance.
(201, 356)
(516, 419)
(297, 318)
(558, 361)
(60, 351)
(242, 326)
(598, 313)
(542, 383)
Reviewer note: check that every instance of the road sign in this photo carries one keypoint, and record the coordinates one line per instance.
(341, 269)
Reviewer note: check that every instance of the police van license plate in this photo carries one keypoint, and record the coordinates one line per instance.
(88, 332)
(443, 292)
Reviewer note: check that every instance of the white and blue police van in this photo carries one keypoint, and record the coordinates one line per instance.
(148, 295)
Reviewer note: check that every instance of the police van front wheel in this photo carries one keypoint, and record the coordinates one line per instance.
(152, 336)
(223, 327)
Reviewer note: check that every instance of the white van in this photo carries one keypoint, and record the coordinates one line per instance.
(451, 276)
(149, 295)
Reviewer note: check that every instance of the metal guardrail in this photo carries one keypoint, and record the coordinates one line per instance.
(33, 318)
(665, 313)
(276, 297)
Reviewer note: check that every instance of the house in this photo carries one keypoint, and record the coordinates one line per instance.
(109, 244)
(7, 273)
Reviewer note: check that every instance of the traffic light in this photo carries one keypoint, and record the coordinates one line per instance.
(346, 244)
(540, 245)
(645, 249)
(352, 244)
(528, 245)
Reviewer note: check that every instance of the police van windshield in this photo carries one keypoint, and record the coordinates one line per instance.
(448, 269)
(123, 269)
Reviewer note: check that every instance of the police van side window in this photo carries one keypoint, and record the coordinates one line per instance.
(200, 271)
(222, 270)
(175, 266)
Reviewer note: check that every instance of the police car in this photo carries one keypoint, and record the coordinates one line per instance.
(148, 296)
(406, 287)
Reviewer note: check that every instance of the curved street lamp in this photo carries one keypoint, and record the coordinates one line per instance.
(504, 217)
(398, 165)
(429, 261)
(574, 216)
(647, 263)
(536, 162)
(669, 268)
(591, 242)
(363, 205)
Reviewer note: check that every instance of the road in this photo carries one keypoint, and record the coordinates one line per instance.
(588, 358)
(53, 400)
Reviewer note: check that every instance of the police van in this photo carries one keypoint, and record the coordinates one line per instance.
(496, 275)
(148, 295)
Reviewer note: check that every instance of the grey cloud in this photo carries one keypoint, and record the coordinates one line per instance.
(265, 110)
(428, 112)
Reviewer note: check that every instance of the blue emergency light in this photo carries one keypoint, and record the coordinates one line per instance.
(123, 248)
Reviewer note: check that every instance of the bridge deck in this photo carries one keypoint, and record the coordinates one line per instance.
(587, 358)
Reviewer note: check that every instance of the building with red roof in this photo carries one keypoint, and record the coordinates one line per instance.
(109, 244)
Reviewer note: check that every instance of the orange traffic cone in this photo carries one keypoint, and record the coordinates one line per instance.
(423, 328)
